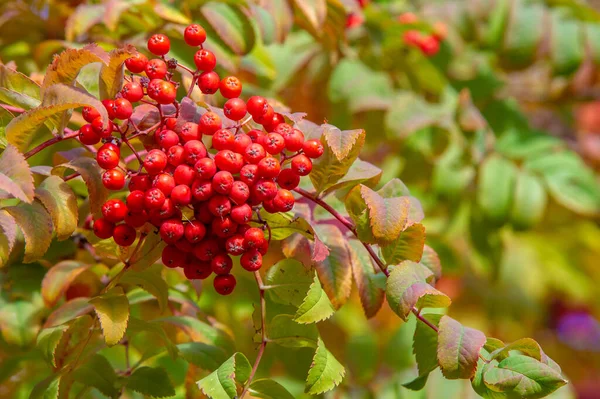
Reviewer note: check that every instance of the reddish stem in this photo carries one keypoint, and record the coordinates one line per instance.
(12, 109)
(69, 135)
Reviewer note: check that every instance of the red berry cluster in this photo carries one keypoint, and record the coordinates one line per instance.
(427, 42)
(200, 199)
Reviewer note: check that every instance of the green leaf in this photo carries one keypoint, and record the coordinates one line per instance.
(48, 388)
(316, 306)
(150, 281)
(522, 36)
(284, 331)
(36, 225)
(57, 98)
(283, 225)
(266, 388)
(60, 201)
(458, 348)
(97, 372)
(48, 340)
(201, 332)
(8, 236)
(17, 89)
(72, 341)
(231, 25)
(492, 344)
(151, 381)
(148, 253)
(19, 322)
(370, 292)
(221, 383)
(333, 271)
(283, 17)
(16, 178)
(92, 175)
(112, 309)
(325, 372)
(290, 281)
(575, 189)
(527, 346)
(205, 356)
(496, 186)
(529, 201)
(136, 325)
(566, 47)
(425, 343)
(409, 246)
(341, 150)
(58, 279)
(523, 377)
(360, 172)
(407, 287)
(111, 74)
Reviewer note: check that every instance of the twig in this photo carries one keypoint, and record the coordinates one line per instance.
(263, 328)
(12, 109)
(57, 139)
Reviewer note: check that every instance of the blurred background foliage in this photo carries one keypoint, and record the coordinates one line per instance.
(498, 135)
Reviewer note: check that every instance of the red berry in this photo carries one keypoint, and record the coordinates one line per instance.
(113, 179)
(230, 87)
(240, 143)
(254, 153)
(255, 135)
(408, 18)
(235, 109)
(159, 44)
(239, 192)
(114, 210)
(124, 235)
(167, 139)
(194, 231)
(251, 260)
(288, 179)
(189, 132)
(176, 155)
(274, 143)
(164, 182)
(264, 190)
(133, 91)
(194, 35)
(208, 82)
(89, 114)
(108, 105)
(171, 123)
(269, 168)
(184, 245)
(224, 284)
(313, 148)
(103, 228)
(135, 201)
(219, 205)
(88, 136)
(205, 60)
(155, 162)
(136, 63)
(181, 195)
(222, 140)
(184, 174)
(154, 199)
(229, 161)
(269, 207)
(270, 124)
(195, 270)
(156, 69)
(162, 91)
(235, 245)
(209, 123)
(168, 210)
(172, 257)
(301, 165)
(171, 230)
(283, 201)
(241, 213)
(98, 126)
(136, 219)
(194, 151)
(294, 139)
(221, 264)
(122, 108)
(249, 174)
(429, 45)
(140, 182)
(256, 105)
(266, 116)
(202, 190)
(205, 168)
(224, 227)
(412, 37)
(206, 250)
(253, 237)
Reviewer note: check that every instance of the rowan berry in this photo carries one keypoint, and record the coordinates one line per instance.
(189, 131)
(274, 143)
(135, 201)
(313, 148)
(269, 168)
(194, 231)
(206, 249)
(89, 114)
(181, 195)
(140, 182)
(239, 192)
(208, 82)
(221, 264)
(283, 201)
(194, 35)
(224, 227)
(249, 174)
(136, 63)
(301, 165)
(172, 257)
(254, 153)
(167, 139)
(124, 235)
(184, 245)
(209, 123)
(154, 198)
(114, 210)
(219, 205)
(205, 60)
(222, 140)
(253, 237)
(270, 124)
(241, 213)
(251, 260)
(136, 219)
(194, 151)
(241, 141)
(184, 174)
(155, 162)
(88, 136)
(205, 168)
(159, 44)
(235, 109)
(168, 209)
(224, 284)
(257, 106)
(176, 155)
(133, 91)
(103, 228)
(202, 190)
(195, 270)
(98, 127)
(229, 161)
(230, 87)
(156, 69)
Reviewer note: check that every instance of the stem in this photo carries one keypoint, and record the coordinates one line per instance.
(10, 108)
(191, 89)
(263, 327)
(70, 134)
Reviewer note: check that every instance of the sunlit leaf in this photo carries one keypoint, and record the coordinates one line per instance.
(112, 309)
(360, 172)
(425, 343)
(221, 384)
(409, 246)
(148, 253)
(458, 348)
(290, 281)
(15, 176)
(315, 306)
(151, 381)
(431, 260)
(60, 201)
(231, 25)
(36, 225)
(526, 346)
(171, 13)
(313, 12)
(58, 279)
(8, 236)
(325, 372)
(68, 311)
(111, 74)
(282, 225)
(17, 89)
(48, 340)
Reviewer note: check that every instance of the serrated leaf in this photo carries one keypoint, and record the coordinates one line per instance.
(284, 331)
(60, 201)
(150, 281)
(151, 381)
(409, 246)
(316, 306)
(112, 309)
(36, 225)
(496, 186)
(431, 260)
(479, 386)
(266, 388)
(17, 89)
(20, 322)
(283, 225)
(360, 172)
(221, 383)
(109, 249)
(111, 74)
(333, 271)
(136, 325)
(527, 346)
(92, 175)
(207, 357)
(48, 388)
(231, 25)
(148, 253)
(97, 372)
(15, 176)
(57, 98)
(365, 276)
(66, 65)
(314, 12)
(407, 287)
(325, 372)
(425, 343)
(341, 150)
(58, 279)
(48, 340)
(458, 348)
(290, 281)
(523, 377)
(529, 202)
(8, 236)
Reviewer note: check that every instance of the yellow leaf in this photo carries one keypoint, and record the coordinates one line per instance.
(60, 201)
(112, 309)
(36, 225)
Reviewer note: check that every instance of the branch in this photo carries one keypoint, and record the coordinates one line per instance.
(10, 108)
(263, 328)
(57, 139)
